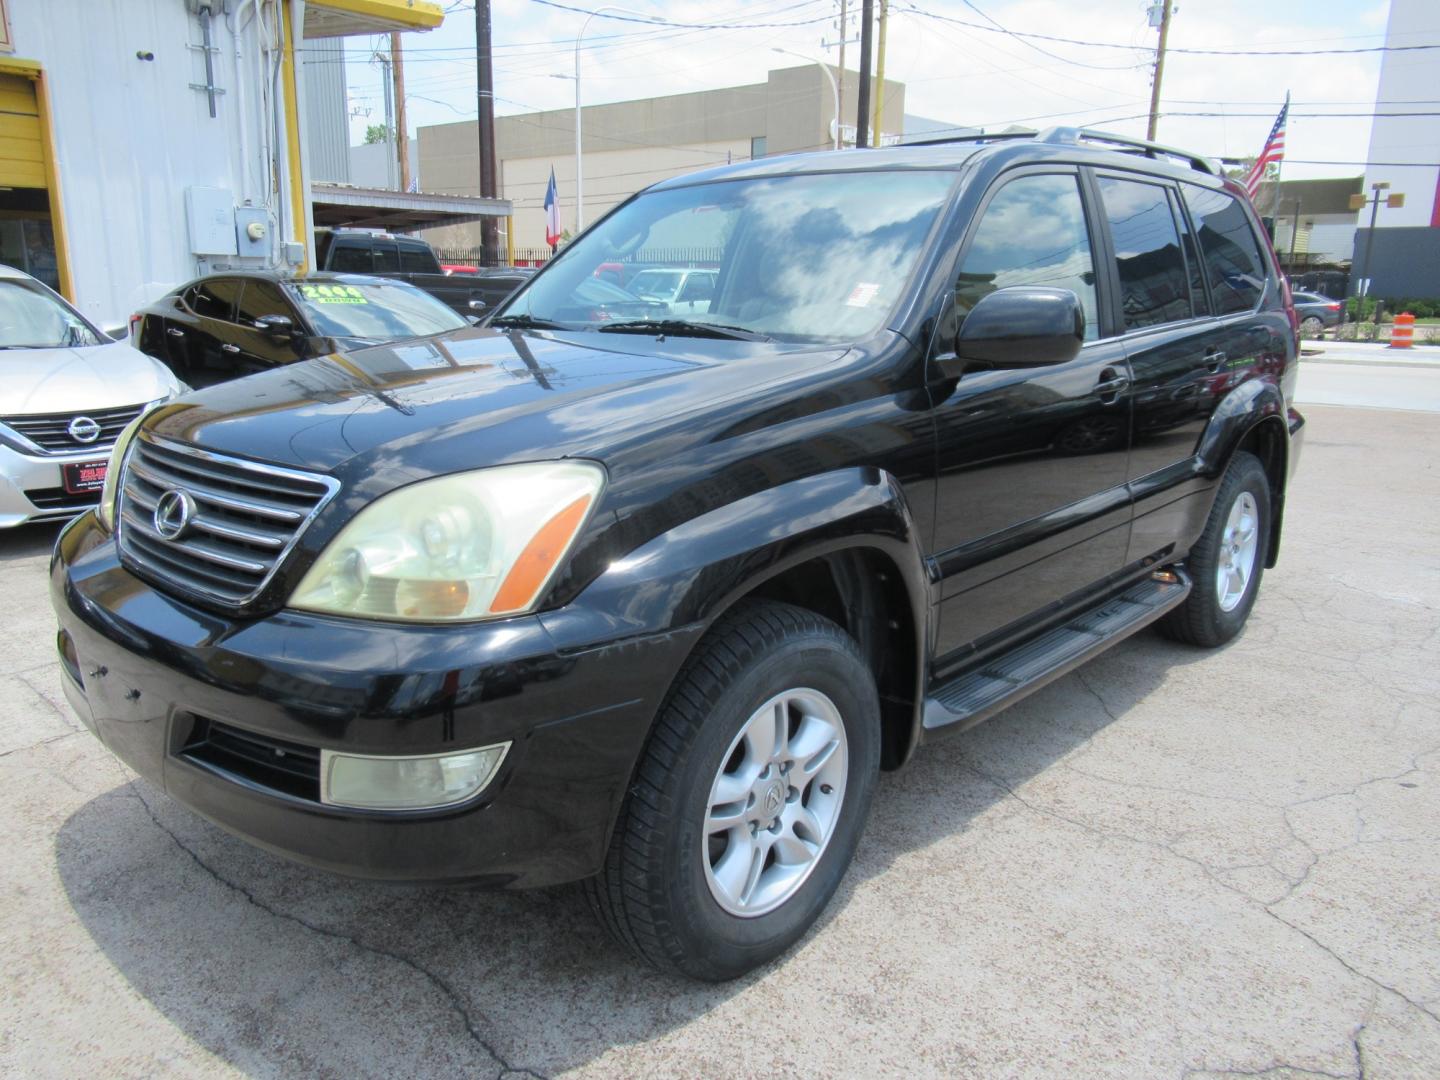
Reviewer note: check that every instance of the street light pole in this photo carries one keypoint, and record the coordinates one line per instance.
(1394, 201)
(834, 88)
(579, 173)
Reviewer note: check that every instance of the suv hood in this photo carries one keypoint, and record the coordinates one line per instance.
(75, 379)
(475, 398)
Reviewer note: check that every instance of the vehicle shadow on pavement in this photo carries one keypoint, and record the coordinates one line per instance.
(278, 969)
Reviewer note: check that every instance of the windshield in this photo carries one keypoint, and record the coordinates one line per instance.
(32, 317)
(375, 311)
(808, 257)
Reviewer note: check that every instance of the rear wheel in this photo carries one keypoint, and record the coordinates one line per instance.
(749, 799)
(1312, 324)
(1228, 560)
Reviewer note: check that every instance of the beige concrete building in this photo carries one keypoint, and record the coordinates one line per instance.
(629, 145)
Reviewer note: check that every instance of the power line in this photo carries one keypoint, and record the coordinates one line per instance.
(658, 21)
(1115, 45)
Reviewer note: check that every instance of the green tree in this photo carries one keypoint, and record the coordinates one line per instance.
(376, 133)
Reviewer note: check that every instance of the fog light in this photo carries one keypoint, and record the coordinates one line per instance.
(425, 782)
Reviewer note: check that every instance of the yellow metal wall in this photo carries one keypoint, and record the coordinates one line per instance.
(22, 151)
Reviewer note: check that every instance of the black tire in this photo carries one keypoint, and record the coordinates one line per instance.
(652, 894)
(1313, 324)
(1201, 619)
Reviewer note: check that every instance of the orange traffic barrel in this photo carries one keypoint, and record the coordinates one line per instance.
(1402, 333)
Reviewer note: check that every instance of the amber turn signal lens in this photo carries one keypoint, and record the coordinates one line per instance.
(538, 559)
(431, 599)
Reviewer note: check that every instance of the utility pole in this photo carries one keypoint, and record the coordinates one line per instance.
(485, 92)
(402, 139)
(840, 75)
(1164, 15)
(862, 106)
(875, 128)
(388, 86)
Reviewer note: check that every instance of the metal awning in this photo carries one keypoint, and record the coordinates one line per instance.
(341, 18)
(342, 206)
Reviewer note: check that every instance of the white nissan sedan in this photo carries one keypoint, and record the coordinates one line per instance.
(66, 393)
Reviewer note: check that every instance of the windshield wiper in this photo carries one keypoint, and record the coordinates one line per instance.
(525, 322)
(681, 328)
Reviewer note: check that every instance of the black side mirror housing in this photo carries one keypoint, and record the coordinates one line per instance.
(277, 326)
(1022, 326)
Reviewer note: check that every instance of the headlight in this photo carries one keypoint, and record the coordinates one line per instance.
(474, 545)
(111, 491)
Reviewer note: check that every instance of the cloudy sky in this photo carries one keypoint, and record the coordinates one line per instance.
(954, 71)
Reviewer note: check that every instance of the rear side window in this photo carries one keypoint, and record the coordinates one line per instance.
(387, 259)
(1193, 264)
(1032, 233)
(1228, 248)
(415, 259)
(214, 299)
(1153, 286)
(351, 258)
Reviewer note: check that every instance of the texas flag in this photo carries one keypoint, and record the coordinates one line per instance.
(552, 212)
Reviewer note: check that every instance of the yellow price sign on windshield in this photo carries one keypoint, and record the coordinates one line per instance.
(333, 294)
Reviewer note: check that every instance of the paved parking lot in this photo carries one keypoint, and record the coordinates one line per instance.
(1170, 864)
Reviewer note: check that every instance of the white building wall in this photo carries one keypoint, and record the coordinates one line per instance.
(1407, 77)
(131, 135)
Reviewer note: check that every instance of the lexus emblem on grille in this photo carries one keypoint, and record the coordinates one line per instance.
(84, 430)
(173, 512)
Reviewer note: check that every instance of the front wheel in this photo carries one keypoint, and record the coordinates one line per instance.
(1228, 560)
(749, 798)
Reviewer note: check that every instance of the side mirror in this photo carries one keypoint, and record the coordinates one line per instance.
(1022, 326)
(478, 306)
(277, 326)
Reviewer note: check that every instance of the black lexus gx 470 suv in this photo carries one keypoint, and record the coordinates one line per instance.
(645, 594)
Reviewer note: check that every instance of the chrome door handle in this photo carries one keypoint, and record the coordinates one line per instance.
(1217, 361)
(173, 332)
(227, 347)
(1110, 386)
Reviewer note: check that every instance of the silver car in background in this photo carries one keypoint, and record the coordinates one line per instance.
(66, 393)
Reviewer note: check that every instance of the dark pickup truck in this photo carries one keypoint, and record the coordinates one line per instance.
(405, 258)
(649, 602)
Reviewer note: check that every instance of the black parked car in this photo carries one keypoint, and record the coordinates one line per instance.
(649, 602)
(240, 322)
(1316, 312)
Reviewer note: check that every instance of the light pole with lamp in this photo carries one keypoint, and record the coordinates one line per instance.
(579, 175)
(834, 86)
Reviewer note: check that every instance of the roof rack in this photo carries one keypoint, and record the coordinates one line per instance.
(1074, 136)
(1070, 136)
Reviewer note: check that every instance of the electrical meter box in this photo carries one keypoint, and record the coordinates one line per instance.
(210, 213)
(252, 232)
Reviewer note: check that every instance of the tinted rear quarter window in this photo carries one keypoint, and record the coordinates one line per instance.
(350, 257)
(1229, 249)
(1153, 284)
(214, 299)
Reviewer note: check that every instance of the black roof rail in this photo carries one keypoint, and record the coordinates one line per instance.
(1075, 136)
(1071, 136)
(992, 137)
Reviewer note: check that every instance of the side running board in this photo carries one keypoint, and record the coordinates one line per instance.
(977, 695)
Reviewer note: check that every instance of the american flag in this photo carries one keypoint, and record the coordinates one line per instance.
(1274, 150)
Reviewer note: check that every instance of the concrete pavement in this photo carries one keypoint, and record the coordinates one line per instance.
(1173, 863)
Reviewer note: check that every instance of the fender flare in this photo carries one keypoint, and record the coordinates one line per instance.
(683, 580)
(1239, 412)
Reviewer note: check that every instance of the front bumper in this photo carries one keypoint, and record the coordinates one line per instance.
(155, 679)
(32, 487)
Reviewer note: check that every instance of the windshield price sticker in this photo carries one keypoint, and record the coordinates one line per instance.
(333, 294)
(862, 295)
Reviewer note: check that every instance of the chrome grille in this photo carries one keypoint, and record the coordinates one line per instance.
(51, 431)
(247, 518)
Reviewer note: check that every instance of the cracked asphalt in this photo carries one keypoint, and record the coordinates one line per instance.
(1173, 863)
